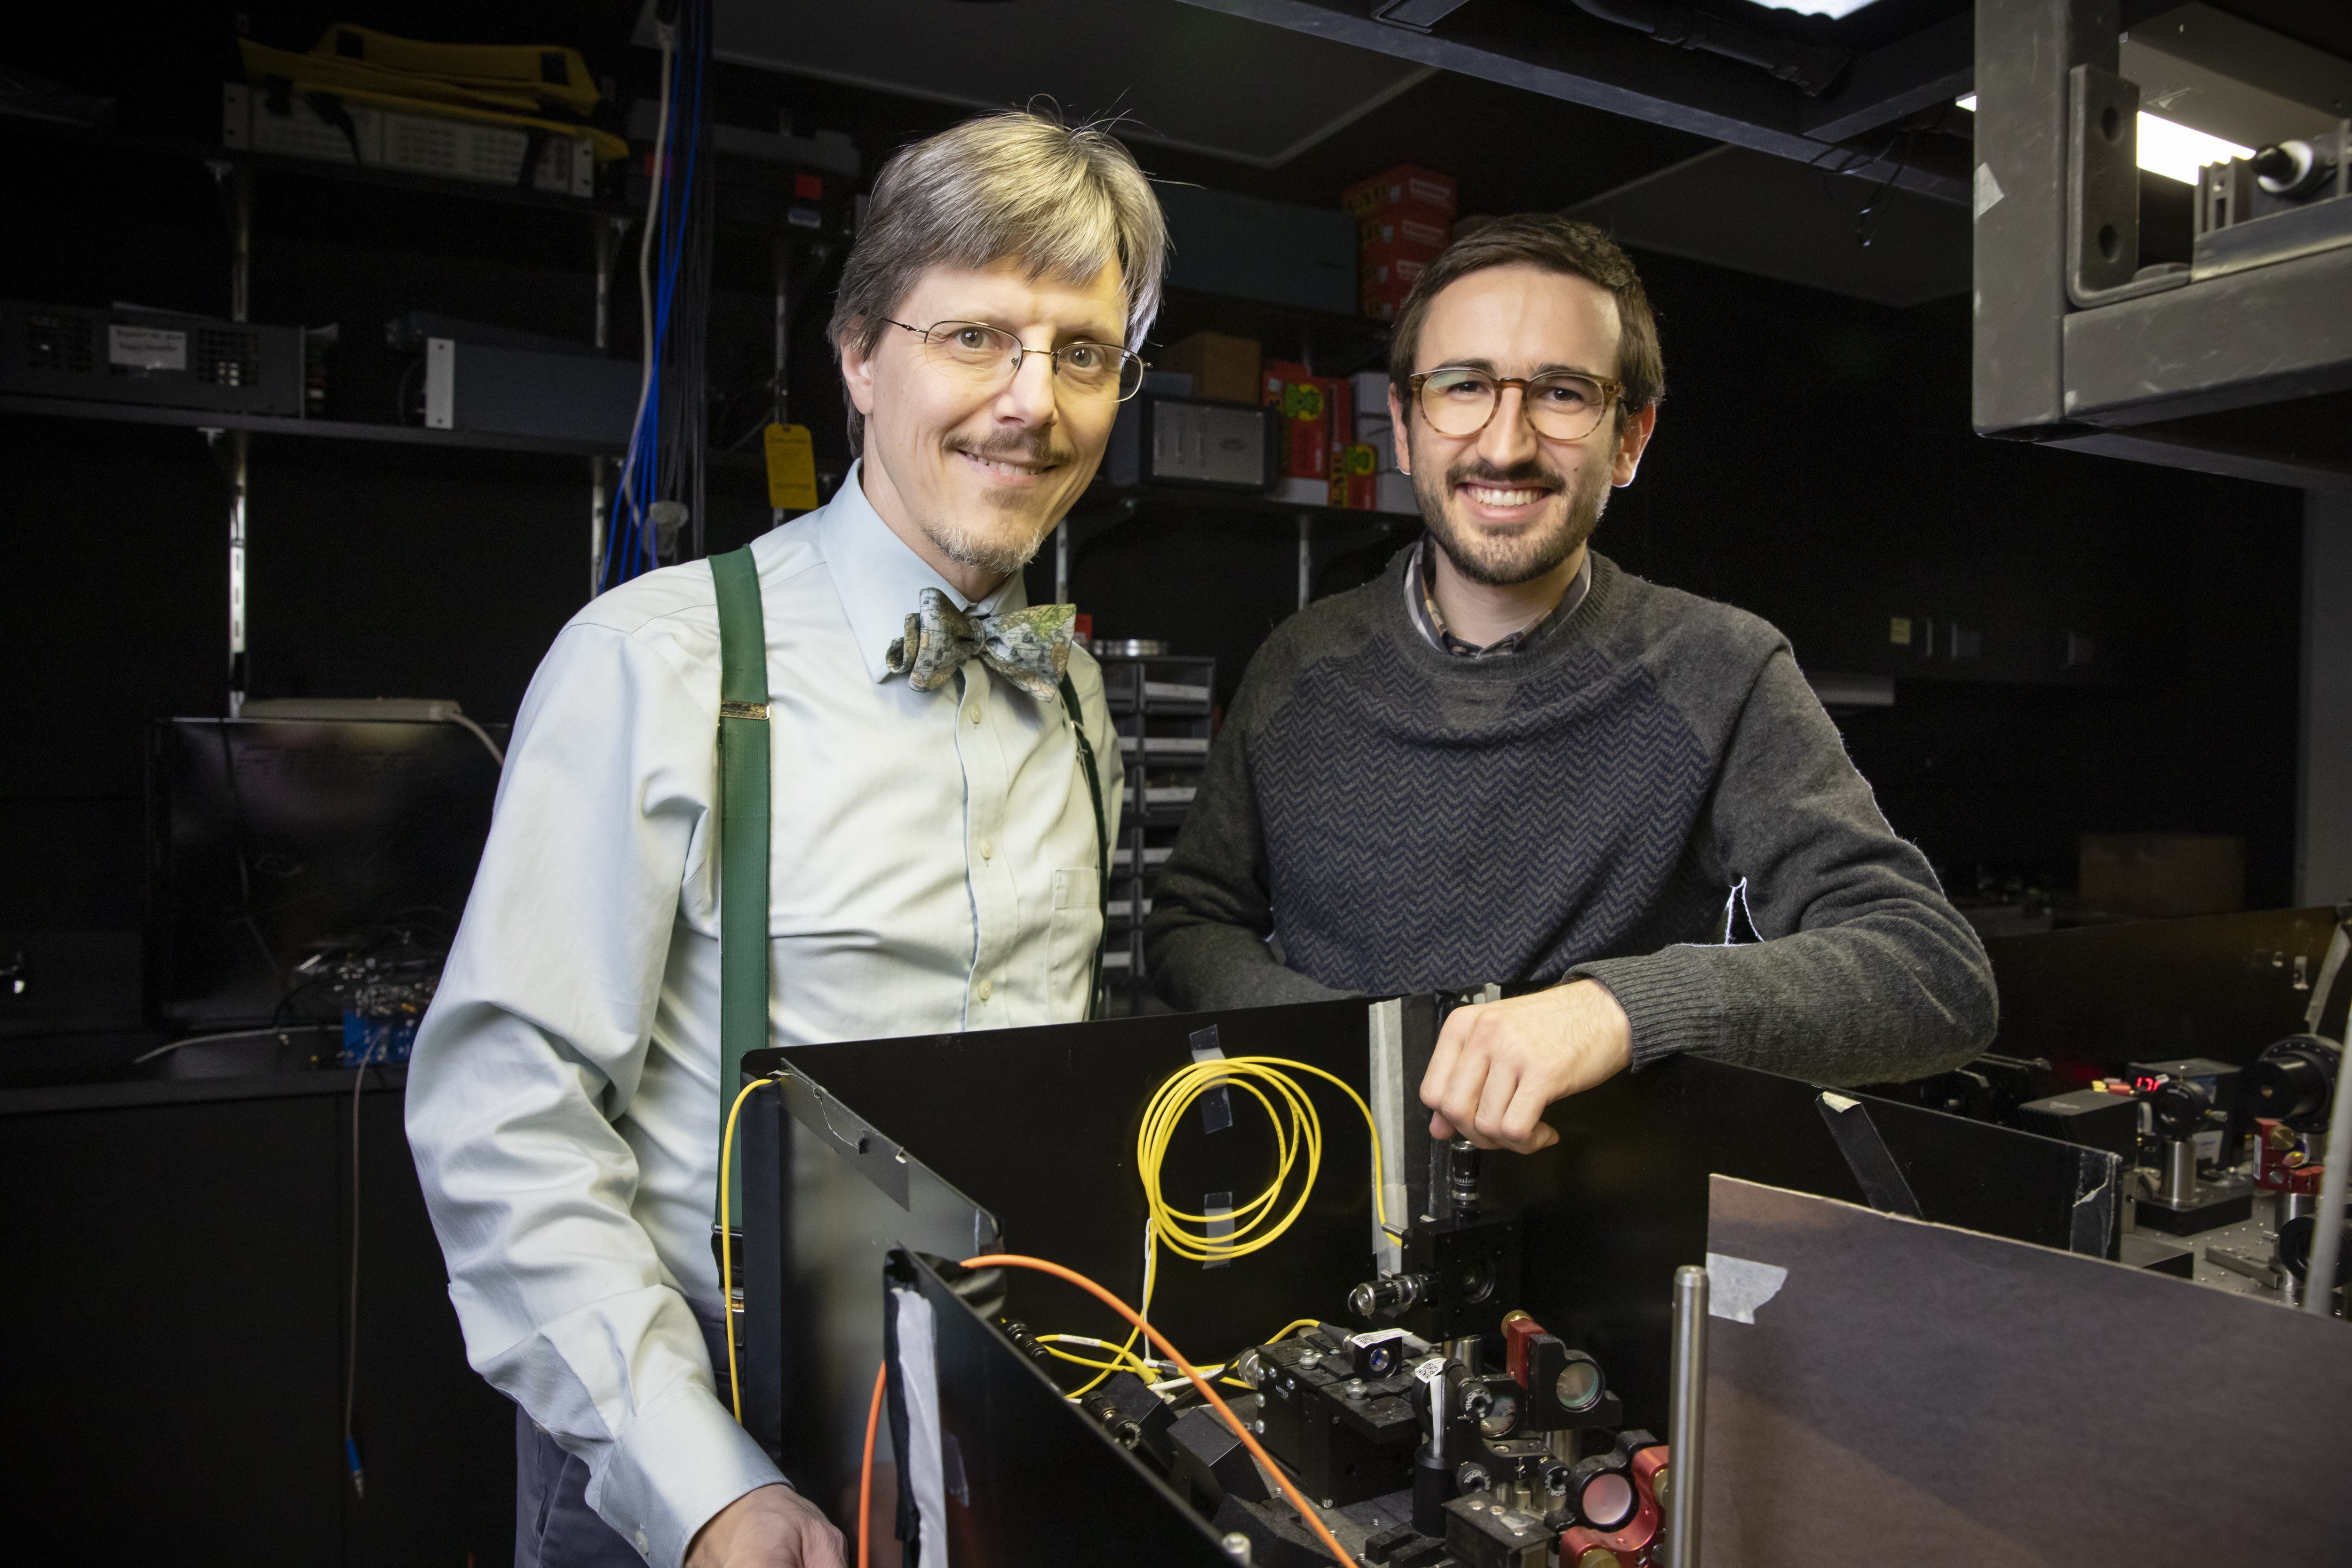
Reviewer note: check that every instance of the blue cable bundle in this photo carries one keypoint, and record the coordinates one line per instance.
(665, 460)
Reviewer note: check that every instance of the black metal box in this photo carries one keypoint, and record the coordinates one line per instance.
(2090, 1116)
(121, 356)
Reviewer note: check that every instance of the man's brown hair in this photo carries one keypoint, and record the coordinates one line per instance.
(1555, 244)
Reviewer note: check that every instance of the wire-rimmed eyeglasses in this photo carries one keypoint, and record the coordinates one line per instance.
(1562, 406)
(987, 355)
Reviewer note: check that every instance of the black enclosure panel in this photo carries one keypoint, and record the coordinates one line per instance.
(269, 835)
(1037, 1127)
(175, 1353)
(1039, 1482)
(1619, 1202)
(2223, 986)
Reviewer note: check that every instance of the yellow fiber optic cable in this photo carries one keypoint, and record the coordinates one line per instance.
(726, 1247)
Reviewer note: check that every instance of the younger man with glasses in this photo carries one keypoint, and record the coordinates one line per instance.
(936, 857)
(1509, 761)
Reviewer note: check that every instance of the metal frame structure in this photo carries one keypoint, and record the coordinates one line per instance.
(2246, 374)
(1562, 52)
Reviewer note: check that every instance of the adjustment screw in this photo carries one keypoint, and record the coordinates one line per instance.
(1237, 1546)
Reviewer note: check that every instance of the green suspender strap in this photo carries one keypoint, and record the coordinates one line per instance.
(743, 781)
(1102, 833)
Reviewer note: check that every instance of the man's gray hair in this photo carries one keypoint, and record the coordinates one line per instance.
(1020, 186)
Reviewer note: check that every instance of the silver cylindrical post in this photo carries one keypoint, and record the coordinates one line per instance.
(1686, 1417)
(2179, 1171)
(2328, 1238)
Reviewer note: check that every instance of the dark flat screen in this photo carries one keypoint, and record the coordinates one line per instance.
(268, 836)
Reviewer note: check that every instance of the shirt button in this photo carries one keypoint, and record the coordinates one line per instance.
(975, 713)
(644, 1545)
(988, 848)
(986, 990)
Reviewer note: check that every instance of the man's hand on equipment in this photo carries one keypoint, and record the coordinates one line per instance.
(1498, 1064)
(767, 1527)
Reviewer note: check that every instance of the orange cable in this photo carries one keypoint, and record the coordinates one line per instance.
(865, 1473)
(1241, 1429)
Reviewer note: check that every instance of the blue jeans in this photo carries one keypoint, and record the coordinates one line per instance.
(554, 1526)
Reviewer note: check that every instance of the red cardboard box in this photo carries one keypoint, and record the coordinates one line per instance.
(1355, 476)
(1406, 186)
(1316, 409)
(1400, 228)
(1382, 302)
(1407, 261)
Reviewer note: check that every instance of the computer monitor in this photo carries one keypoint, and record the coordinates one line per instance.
(270, 837)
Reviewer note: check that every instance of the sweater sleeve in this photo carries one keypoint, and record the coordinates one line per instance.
(1865, 973)
(1206, 942)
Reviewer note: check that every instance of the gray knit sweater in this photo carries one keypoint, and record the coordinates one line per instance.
(1400, 819)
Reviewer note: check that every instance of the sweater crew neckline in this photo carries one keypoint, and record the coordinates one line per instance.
(1550, 644)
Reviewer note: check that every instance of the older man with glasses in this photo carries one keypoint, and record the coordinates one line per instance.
(1507, 760)
(945, 782)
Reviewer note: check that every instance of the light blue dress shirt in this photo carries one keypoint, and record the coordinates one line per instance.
(934, 868)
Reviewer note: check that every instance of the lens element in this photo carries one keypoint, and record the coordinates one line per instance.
(1578, 1387)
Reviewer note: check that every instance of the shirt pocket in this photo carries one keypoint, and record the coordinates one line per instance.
(1071, 937)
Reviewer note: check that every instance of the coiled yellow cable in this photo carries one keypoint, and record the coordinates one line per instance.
(1300, 1133)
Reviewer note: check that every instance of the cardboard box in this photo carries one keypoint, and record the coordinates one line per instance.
(1355, 476)
(1395, 494)
(1402, 227)
(1315, 409)
(2163, 873)
(1382, 304)
(1406, 186)
(1400, 253)
(1401, 272)
(1223, 367)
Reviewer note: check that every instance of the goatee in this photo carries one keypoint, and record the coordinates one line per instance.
(997, 541)
(1501, 561)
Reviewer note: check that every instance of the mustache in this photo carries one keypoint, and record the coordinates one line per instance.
(1043, 451)
(1530, 475)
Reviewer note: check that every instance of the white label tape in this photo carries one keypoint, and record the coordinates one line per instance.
(1736, 1286)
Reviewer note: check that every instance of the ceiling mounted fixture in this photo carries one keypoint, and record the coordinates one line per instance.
(1175, 75)
(1832, 9)
(1811, 71)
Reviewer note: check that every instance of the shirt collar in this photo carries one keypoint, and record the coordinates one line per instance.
(881, 580)
(1420, 605)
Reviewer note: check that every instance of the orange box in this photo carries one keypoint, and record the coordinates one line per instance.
(1315, 411)
(1382, 302)
(1406, 186)
(1355, 476)
(1402, 227)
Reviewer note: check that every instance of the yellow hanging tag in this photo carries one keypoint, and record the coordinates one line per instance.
(792, 469)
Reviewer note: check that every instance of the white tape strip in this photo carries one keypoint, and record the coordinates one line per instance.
(1736, 1286)
(918, 1377)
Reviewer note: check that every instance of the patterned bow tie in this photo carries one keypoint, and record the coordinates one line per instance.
(1029, 648)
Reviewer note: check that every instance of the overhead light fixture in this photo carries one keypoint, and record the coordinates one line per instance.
(2167, 147)
(1832, 9)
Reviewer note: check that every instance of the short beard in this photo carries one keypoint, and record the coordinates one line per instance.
(986, 550)
(1502, 562)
